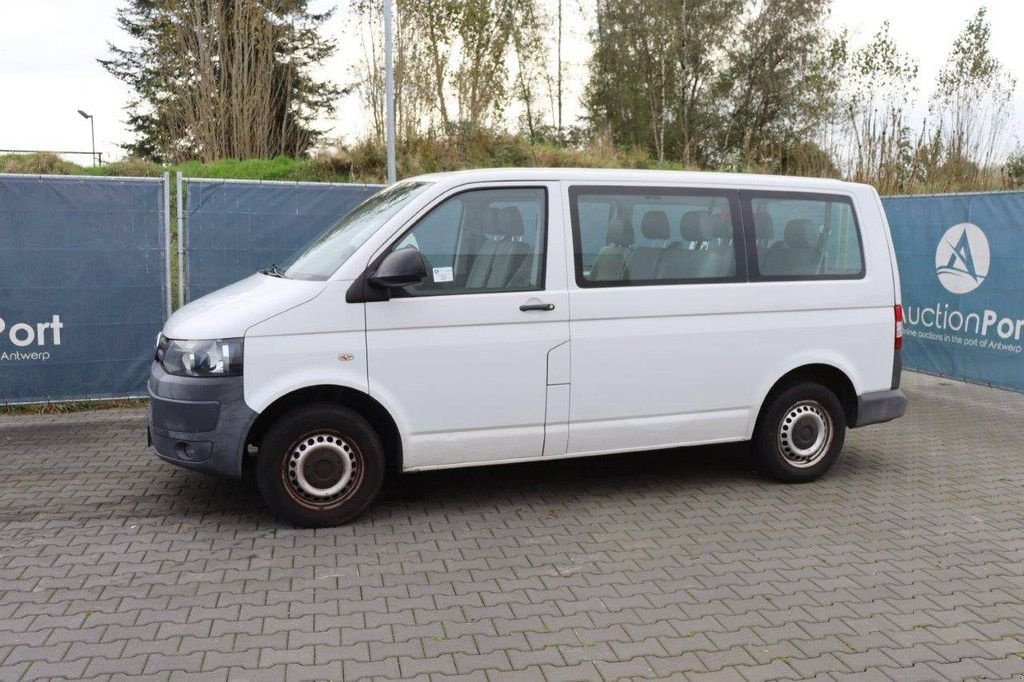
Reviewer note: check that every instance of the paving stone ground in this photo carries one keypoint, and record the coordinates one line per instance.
(905, 562)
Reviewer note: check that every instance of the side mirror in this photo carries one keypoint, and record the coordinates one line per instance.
(400, 268)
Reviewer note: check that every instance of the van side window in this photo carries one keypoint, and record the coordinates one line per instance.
(802, 236)
(628, 236)
(482, 240)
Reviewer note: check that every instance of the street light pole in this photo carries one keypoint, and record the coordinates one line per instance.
(92, 130)
(389, 87)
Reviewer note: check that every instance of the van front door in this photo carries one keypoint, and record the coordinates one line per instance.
(461, 359)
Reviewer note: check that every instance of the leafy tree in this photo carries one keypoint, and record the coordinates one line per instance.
(218, 79)
(1013, 170)
(779, 83)
(531, 59)
(652, 71)
(630, 77)
(716, 82)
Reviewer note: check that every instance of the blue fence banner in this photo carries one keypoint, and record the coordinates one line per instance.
(83, 285)
(234, 228)
(961, 260)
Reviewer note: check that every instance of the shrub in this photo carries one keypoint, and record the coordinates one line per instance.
(1013, 171)
(38, 164)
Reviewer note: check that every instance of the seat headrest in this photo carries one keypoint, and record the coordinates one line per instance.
(764, 228)
(694, 226)
(655, 225)
(801, 234)
(510, 222)
(620, 233)
(489, 220)
(721, 227)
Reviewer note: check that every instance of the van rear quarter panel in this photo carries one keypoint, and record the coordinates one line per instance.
(848, 324)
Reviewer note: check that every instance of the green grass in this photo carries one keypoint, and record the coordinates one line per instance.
(68, 407)
(315, 169)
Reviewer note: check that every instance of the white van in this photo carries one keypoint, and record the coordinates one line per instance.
(497, 316)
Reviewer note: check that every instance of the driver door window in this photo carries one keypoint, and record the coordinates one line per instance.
(480, 241)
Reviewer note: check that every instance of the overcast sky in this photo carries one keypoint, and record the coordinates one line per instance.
(48, 69)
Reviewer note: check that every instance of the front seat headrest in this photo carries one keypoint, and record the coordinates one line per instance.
(720, 227)
(801, 234)
(510, 222)
(693, 226)
(655, 225)
(764, 228)
(489, 220)
(620, 233)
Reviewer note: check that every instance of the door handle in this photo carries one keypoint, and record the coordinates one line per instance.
(526, 307)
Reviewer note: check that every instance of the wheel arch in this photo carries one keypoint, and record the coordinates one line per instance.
(829, 376)
(370, 409)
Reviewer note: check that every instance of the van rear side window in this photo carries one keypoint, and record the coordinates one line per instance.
(629, 236)
(803, 236)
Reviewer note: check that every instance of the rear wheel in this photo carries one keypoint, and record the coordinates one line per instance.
(319, 466)
(800, 433)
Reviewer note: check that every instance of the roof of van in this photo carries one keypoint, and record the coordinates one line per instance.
(629, 175)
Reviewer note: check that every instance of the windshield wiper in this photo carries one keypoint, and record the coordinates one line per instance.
(274, 270)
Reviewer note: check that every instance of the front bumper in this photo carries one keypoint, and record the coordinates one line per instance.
(199, 423)
(880, 406)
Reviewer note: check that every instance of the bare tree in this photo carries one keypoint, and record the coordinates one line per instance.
(454, 59)
(880, 84)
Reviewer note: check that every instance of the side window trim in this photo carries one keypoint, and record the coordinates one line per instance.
(739, 242)
(427, 211)
(750, 235)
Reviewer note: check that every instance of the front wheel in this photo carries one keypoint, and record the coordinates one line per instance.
(800, 433)
(320, 466)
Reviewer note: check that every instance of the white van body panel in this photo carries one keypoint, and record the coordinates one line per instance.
(467, 375)
(869, 192)
(321, 342)
(665, 396)
(472, 379)
(229, 312)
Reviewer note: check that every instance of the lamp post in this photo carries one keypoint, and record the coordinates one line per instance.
(92, 129)
(389, 94)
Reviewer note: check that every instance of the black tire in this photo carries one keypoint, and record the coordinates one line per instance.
(786, 445)
(328, 442)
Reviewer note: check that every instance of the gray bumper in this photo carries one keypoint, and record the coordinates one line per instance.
(880, 406)
(199, 424)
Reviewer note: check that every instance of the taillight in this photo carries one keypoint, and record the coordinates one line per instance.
(898, 339)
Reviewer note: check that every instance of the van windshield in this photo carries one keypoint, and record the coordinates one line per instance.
(325, 254)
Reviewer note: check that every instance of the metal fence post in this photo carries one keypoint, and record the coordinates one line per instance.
(181, 243)
(389, 90)
(167, 238)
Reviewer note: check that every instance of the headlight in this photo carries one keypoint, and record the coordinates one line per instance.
(212, 358)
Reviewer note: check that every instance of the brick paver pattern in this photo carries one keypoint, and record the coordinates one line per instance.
(905, 561)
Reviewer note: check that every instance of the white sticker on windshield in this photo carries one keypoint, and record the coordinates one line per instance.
(443, 275)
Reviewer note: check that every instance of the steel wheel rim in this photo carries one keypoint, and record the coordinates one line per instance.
(805, 434)
(322, 470)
